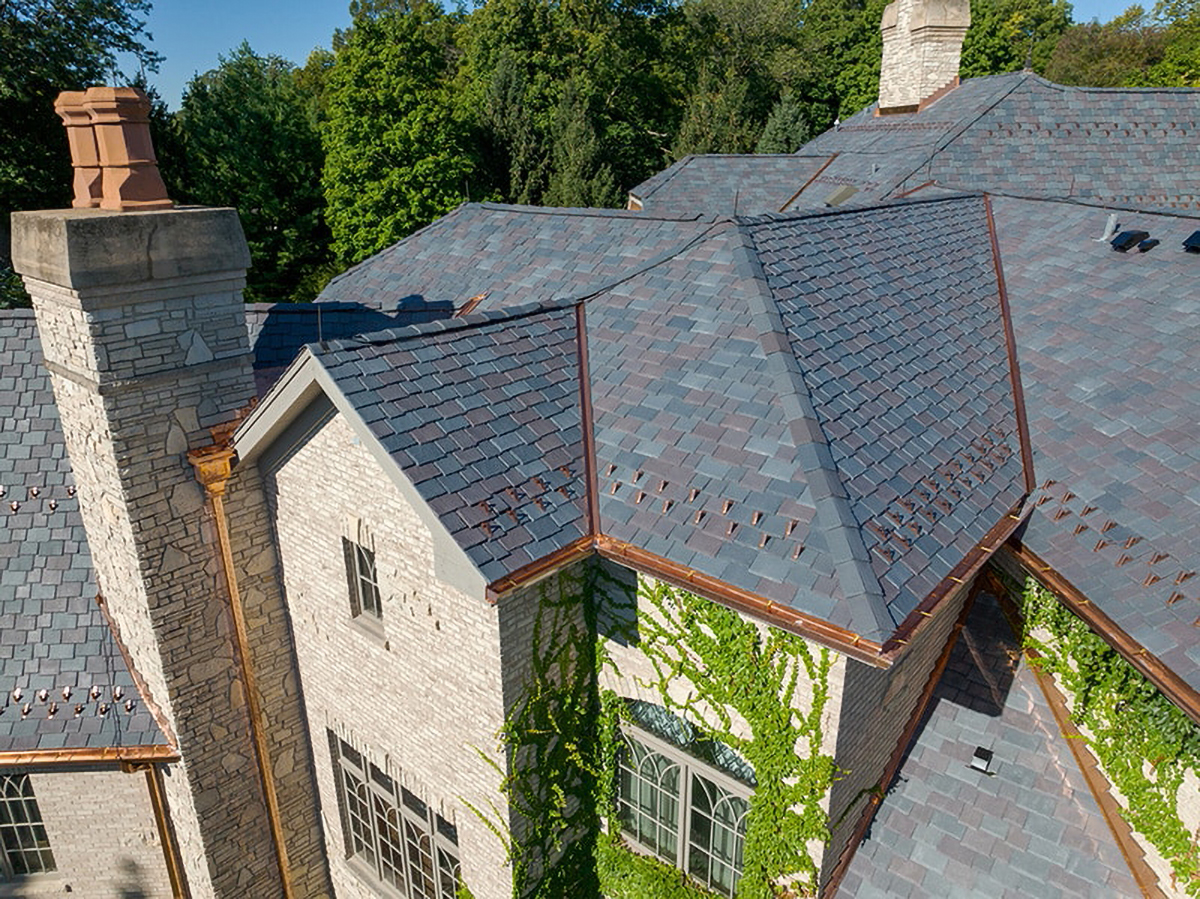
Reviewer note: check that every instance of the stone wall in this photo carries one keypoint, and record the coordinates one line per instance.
(922, 43)
(142, 327)
(102, 832)
(419, 692)
(876, 705)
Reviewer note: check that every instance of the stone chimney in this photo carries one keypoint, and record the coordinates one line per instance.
(922, 43)
(139, 310)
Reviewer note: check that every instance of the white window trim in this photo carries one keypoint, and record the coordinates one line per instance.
(688, 765)
(32, 821)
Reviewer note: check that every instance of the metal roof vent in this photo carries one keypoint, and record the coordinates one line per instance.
(1192, 244)
(1148, 244)
(982, 761)
(841, 195)
(1110, 228)
(1127, 239)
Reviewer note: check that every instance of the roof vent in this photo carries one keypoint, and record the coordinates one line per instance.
(1192, 244)
(1127, 239)
(982, 761)
(1148, 244)
(1110, 228)
(841, 195)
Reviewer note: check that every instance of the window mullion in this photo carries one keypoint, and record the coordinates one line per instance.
(685, 814)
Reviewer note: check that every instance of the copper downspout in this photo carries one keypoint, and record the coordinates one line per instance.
(166, 833)
(914, 721)
(213, 465)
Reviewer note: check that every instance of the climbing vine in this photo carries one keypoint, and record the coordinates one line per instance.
(760, 691)
(1144, 743)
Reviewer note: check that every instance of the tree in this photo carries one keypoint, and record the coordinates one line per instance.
(1109, 55)
(395, 157)
(1006, 34)
(249, 140)
(48, 46)
(787, 127)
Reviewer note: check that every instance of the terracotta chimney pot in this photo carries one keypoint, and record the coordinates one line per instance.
(85, 158)
(121, 120)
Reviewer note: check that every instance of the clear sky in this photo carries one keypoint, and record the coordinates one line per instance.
(191, 35)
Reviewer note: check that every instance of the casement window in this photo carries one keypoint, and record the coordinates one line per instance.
(25, 847)
(362, 578)
(393, 837)
(683, 798)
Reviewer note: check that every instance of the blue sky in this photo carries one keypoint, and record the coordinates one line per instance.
(191, 35)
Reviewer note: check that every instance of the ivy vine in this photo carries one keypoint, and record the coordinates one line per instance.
(1143, 742)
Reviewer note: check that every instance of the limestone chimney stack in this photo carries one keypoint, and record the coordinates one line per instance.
(922, 43)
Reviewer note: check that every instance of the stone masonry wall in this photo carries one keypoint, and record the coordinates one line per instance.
(141, 369)
(273, 659)
(102, 831)
(876, 705)
(922, 45)
(422, 695)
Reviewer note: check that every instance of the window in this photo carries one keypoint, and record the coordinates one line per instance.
(26, 849)
(364, 582)
(683, 798)
(391, 834)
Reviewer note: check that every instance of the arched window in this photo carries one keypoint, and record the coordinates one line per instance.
(683, 797)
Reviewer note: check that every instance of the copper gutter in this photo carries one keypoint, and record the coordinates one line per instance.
(1171, 684)
(960, 574)
(539, 568)
(774, 613)
(1010, 341)
(90, 755)
(792, 199)
(897, 757)
(214, 466)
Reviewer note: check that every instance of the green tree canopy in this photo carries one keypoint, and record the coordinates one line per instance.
(395, 156)
(249, 140)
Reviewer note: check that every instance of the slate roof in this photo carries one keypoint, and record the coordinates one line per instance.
(52, 634)
(1032, 829)
(1016, 134)
(724, 376)
(510, 255)
(742, 185)
(1107, 344)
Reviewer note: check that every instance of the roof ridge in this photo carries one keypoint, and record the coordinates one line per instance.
(589, 212)
(852, 566)
(820, 212)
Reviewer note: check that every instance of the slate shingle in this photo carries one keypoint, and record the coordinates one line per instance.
(52, 634)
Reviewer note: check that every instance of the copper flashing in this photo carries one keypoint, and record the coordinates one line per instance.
(1010, 341)
(589, 434)
(159, 752)
(143, 688)
(897, 756)
(1171, 684)
(213, 466)
(960, 574)
(911, 191)
(792, 199)
(740, 600)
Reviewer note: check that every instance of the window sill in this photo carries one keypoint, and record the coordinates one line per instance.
(372, 627)
(29, 885)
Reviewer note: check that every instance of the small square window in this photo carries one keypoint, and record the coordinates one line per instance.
(24, 846)
(363, 579)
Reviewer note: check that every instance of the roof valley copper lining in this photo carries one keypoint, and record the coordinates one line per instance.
(1010, 343)
(815, 175)
(585, 411)
(143, 688)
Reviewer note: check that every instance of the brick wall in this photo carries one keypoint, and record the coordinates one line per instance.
(103, 835)
(422, 695)
(876, 705)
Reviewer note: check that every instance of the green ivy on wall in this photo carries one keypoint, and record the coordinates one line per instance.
(1132, 725)
(561, 739)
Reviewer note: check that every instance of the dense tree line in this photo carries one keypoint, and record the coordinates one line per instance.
(415, 109)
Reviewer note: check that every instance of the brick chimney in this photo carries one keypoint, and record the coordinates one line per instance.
(922, 42)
